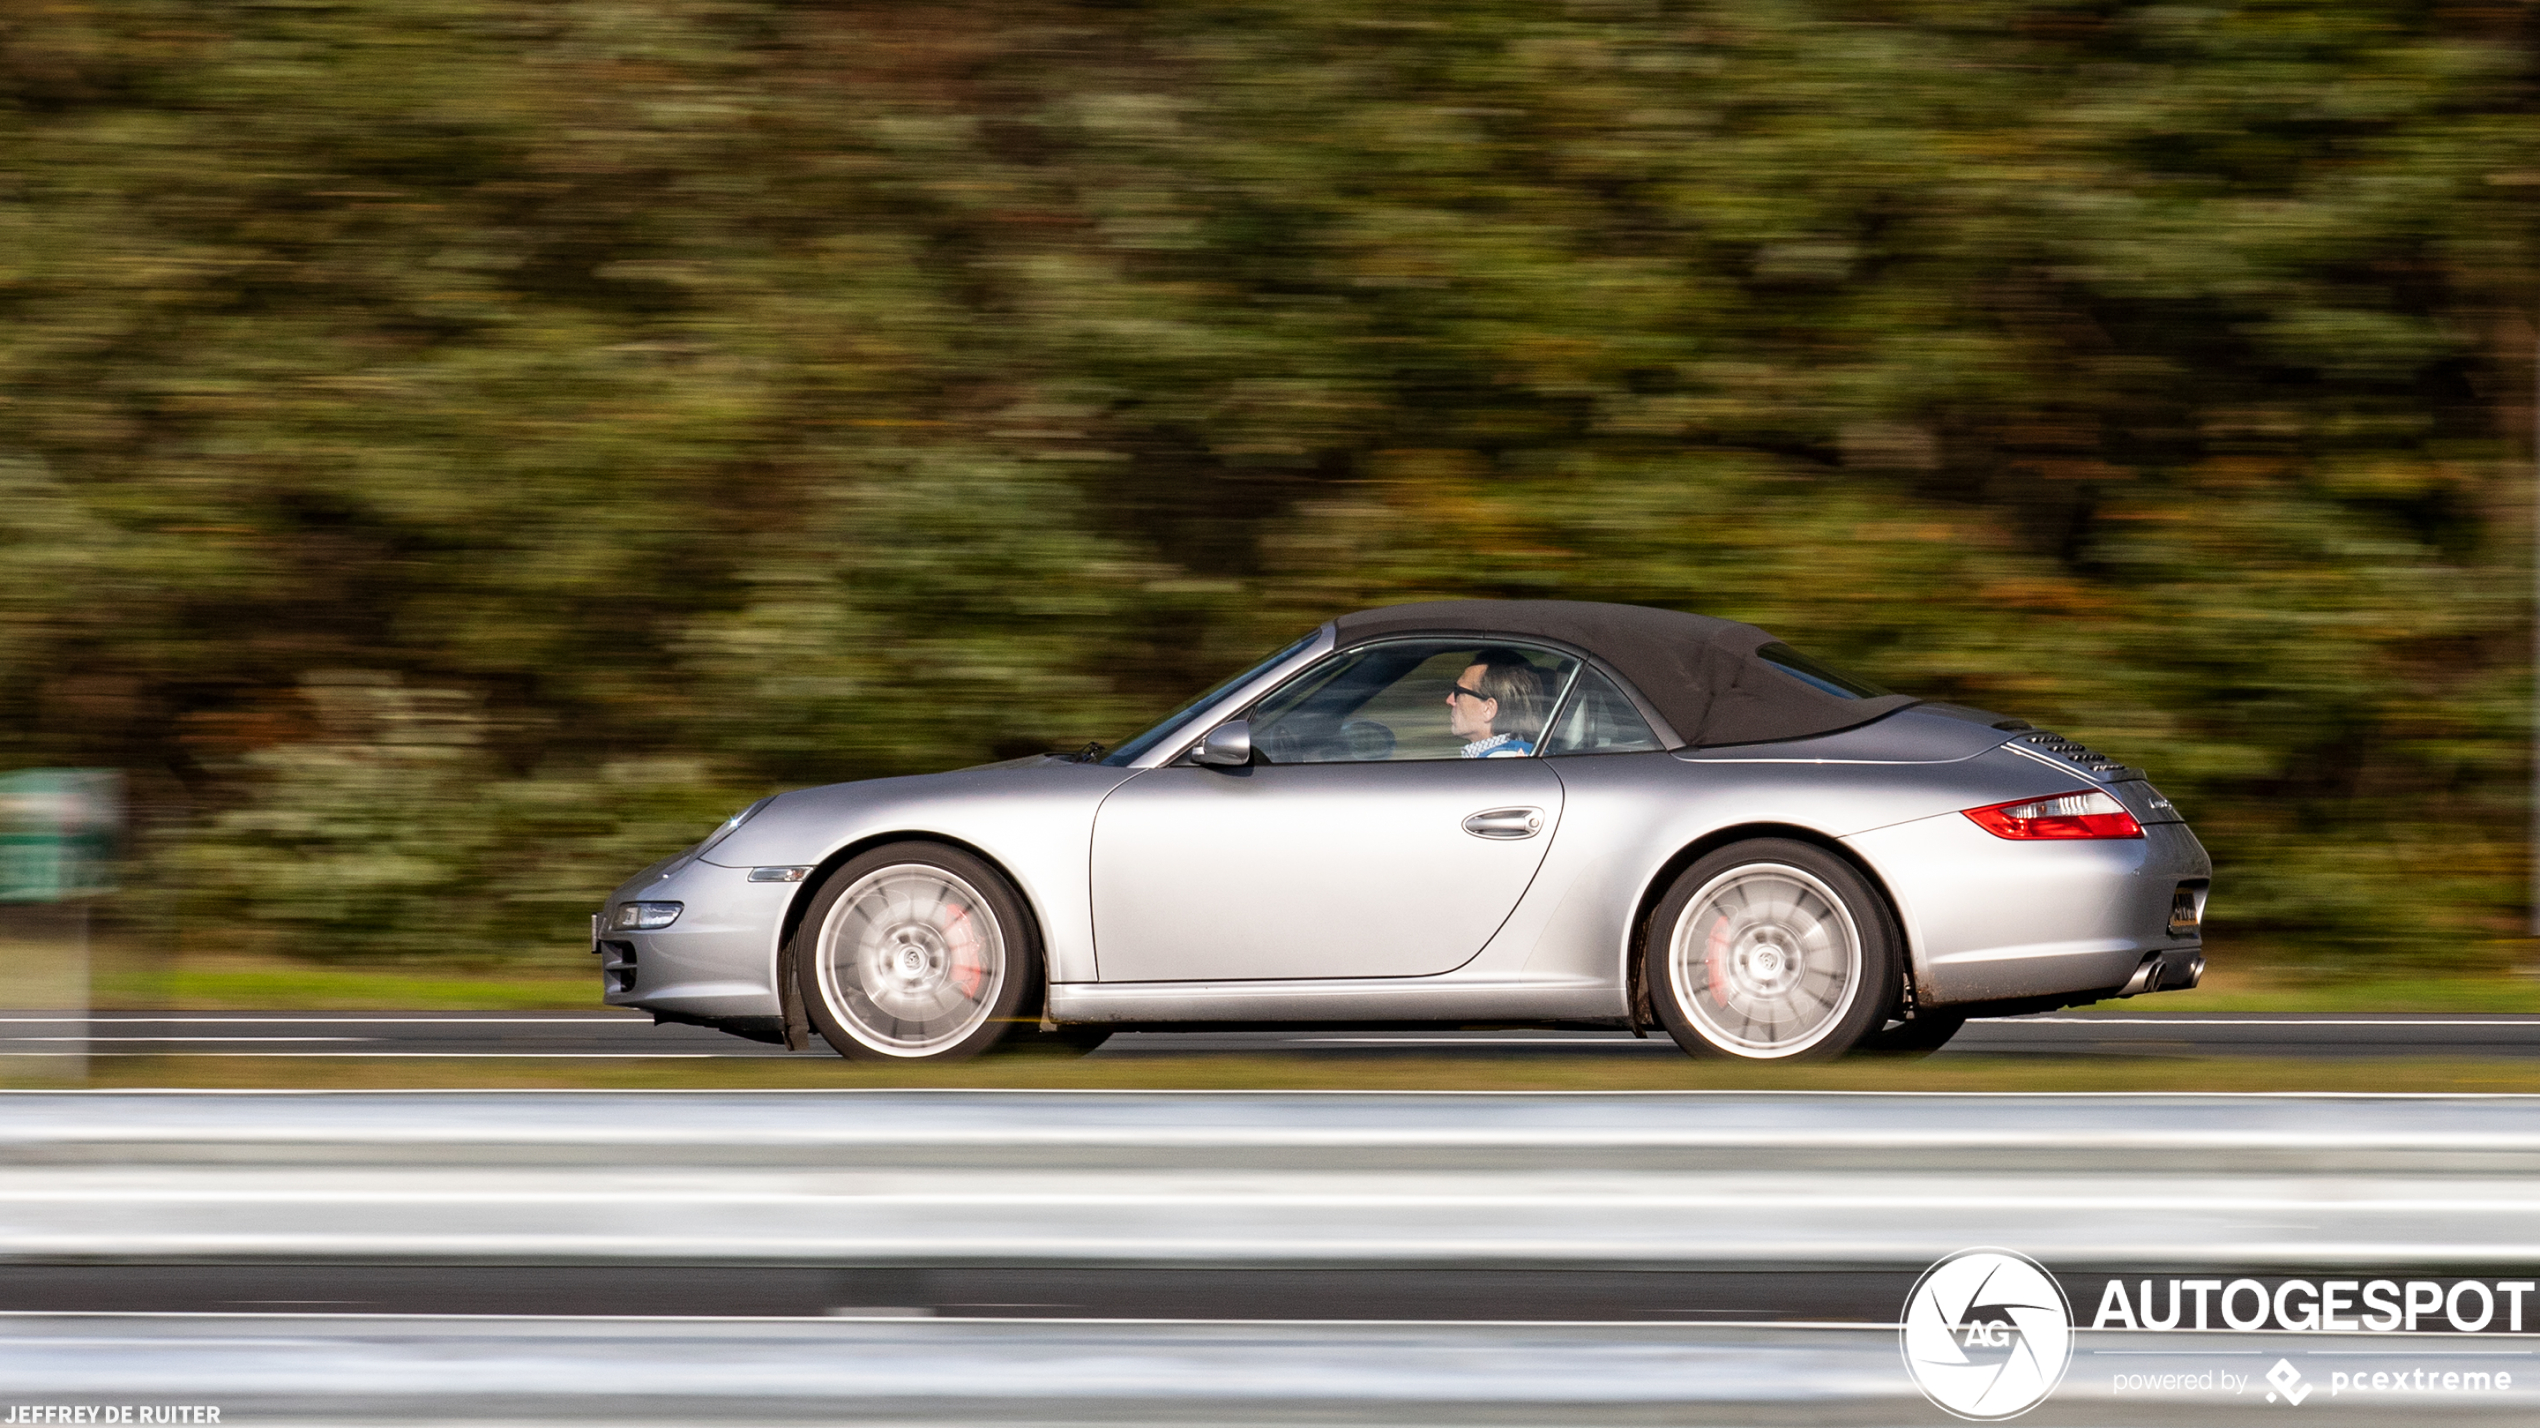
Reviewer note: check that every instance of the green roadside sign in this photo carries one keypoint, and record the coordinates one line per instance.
(57, 833)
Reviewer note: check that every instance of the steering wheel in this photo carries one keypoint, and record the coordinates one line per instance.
(1367, 741)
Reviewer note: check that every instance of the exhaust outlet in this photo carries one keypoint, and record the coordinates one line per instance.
(2146, 978)
(2174, 971)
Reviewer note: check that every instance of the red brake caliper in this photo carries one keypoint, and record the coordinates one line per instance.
(1715, 961)
(961, 938)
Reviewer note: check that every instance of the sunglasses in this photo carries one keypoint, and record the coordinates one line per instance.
(1473, 694)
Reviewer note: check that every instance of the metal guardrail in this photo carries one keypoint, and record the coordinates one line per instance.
(1276, 1179)
(531, 1181)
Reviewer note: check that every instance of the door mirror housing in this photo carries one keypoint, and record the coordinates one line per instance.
(1229, 745)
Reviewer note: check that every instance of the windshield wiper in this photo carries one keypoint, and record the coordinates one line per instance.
(1091, 753)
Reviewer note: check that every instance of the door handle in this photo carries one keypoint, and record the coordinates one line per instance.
(1505, 823)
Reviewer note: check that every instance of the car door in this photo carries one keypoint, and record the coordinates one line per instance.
(1363, 841)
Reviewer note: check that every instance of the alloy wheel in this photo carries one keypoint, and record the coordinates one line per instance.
(911, 960)
(1766, 960)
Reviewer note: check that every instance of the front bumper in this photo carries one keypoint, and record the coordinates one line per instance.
(717, 961)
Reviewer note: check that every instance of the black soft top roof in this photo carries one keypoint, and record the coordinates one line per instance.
(1700, 673)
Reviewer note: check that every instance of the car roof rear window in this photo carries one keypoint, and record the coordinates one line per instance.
(1817, 674)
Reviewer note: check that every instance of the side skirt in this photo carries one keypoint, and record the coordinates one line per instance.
(1338, 1001)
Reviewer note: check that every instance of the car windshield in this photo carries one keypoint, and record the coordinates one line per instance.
(1173, 723)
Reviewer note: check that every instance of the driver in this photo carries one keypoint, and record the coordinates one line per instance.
(1497, 703)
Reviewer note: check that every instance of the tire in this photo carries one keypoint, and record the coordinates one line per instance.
(1771, 950)
(1911, 1040)
(917, 952)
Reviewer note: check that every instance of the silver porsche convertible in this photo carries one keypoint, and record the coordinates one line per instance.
(1466, 812)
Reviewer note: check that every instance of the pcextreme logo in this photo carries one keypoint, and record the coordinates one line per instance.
(1988, 1334)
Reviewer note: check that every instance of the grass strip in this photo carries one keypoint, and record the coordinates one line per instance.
(285, 988)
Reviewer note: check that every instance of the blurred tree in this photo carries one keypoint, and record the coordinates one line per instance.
(665, 399)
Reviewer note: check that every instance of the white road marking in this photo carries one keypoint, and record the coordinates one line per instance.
(5, 1040)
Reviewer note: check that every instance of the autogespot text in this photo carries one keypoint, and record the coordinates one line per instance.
(2325, 1306)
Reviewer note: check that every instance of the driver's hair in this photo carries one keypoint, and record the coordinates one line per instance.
(1519, 688)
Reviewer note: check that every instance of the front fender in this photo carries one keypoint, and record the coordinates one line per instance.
(1034, 819)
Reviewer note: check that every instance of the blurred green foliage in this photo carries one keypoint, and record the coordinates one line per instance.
(452, 451)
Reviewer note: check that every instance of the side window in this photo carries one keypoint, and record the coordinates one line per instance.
(1600, 719)
(1404, 700)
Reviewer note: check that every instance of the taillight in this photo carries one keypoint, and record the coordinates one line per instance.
(2067, 815)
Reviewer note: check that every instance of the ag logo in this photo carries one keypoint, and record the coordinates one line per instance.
(1988, 1334)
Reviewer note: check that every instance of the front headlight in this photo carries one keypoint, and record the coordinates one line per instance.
(646, 916)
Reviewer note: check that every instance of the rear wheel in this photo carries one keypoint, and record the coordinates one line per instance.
(1771, 950)
(916, 952)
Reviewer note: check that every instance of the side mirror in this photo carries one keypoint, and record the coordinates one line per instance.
(1229, 745)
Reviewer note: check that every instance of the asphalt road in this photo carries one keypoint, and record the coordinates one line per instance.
(612, 1035)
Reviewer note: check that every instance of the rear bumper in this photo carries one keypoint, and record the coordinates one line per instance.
(1989, 919)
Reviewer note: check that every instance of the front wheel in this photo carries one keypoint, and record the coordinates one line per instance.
(1771, 950)
(916, 952)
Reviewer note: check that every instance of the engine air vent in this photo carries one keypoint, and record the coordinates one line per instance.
(617, 966)
(2097, 765)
